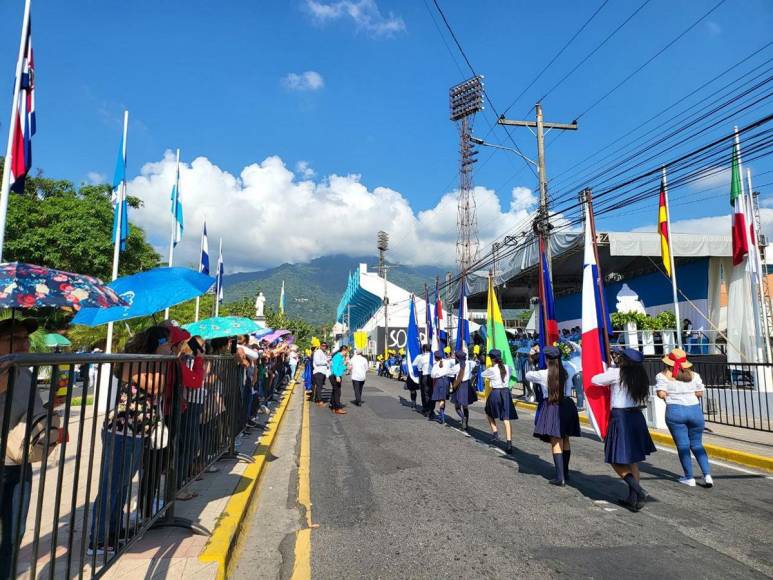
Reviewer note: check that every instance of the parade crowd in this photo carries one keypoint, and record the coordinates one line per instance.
(550, 378)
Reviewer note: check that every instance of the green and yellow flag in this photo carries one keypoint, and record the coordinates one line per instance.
(495, 333)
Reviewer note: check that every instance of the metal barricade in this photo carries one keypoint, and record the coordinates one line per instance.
(96, 453)
(737, 395)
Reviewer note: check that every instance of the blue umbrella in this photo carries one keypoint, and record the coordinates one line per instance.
(147, 293)
(263, 332)
(222, 326)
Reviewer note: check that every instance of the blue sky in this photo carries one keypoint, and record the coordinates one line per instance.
(212, 79)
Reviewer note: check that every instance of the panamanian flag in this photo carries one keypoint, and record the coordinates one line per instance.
(21, 146)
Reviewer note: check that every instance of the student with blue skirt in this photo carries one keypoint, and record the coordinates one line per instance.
(557, 418)
(499, 403)
(628, 440)
(442, 374)
(463, 393)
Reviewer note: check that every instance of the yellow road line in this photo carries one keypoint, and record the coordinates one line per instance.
(714, 451)
(302, 561)
(223, 540)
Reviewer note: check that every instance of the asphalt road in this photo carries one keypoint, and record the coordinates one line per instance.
(397, 496)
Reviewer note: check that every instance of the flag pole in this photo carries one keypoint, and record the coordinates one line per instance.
(761, 274)
(599, 277)
(671, 258)
(5, 185)
(219, 285)
(201, 250)
(118, 226)
(174, 221)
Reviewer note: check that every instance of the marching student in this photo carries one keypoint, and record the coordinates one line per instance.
(337, 372)
(463, 394)
(628, 440)
(682, 388)
(499, 403)
(412, 386)
(425, 381)
(441, 375)
(557, 418)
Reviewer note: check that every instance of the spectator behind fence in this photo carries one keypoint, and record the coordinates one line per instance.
(681, 389)
(189, 441)
(135, 419)
(16, 480)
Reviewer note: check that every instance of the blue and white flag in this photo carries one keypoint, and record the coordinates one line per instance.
(431, 340)
(463, 328)
(177, 207)
(118, 196)
(412, 343)
(282, 298)
(219, 278)
(204, 260)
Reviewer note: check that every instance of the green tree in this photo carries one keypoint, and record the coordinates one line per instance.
(55, 224)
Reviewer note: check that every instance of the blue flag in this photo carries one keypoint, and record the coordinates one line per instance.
(463, 329)
(204, 261)
(118, 197)
(430, 331)
(412, 343)
(177, 206)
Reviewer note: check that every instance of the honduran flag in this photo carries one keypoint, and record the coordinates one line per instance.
(204, 260)
(177, 206)
(594, 350)
(21, 146)
(118, 196)
(739, 232)
(412, 343)
(220, 276)
(463, 328)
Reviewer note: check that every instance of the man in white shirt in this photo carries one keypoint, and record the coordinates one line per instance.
(424, 364)
(359, 366)
(321, 370)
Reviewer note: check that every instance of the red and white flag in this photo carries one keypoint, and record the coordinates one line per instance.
(593, 345)
(21, 147)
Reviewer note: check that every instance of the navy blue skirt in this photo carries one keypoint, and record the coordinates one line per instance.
(464, 395)
(557, 420)
(628, 439)
(499, 405)
(440, 388)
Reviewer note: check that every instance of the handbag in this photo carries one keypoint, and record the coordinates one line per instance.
(39, 434)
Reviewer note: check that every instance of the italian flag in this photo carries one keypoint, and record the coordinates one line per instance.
(740, 240)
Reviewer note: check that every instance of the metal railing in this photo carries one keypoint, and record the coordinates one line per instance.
(737, 395)
(96, 453)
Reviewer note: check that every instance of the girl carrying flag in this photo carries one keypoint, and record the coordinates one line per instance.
(441, 375)
(499, 404)
(463, 393)
(557, 418)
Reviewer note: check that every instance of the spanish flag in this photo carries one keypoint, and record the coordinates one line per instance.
(665, 236)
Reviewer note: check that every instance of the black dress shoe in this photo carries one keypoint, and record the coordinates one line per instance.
(632, 507)
(557, 482)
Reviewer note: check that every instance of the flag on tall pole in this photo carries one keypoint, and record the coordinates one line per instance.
(594, 332)
(282, 298)
(118, 196)
(22, 126)
(739, 232)
(548, 329)
(219, 280)
(412, 343)
(442, 335)
(431, 342)
(666, 249)
(177, 210)
(203, 263)
(496, 337)
(463, 328)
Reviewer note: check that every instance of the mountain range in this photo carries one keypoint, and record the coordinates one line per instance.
(313, 289)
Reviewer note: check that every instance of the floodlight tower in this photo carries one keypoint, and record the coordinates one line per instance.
(465, 100)
(382, 243)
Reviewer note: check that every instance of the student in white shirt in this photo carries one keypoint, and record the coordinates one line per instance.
(423, 363)
(681, 389)
(321, 370)
(463, 393)
(628, 440)
(442, 374)
(499, 403)
(359, 369)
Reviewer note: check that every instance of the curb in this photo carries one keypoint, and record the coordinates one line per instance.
(714, 451)
(220, 547)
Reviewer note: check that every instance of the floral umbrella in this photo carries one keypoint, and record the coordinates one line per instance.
(30, 286)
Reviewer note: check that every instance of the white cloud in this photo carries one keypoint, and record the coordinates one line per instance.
(711, 178)
(306, 81)
(714, 224)
(303, 169)
(96, 178)
(365, 14)
(268, 215)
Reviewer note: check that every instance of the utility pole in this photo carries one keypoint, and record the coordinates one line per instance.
(542, 225)
(382, 243)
